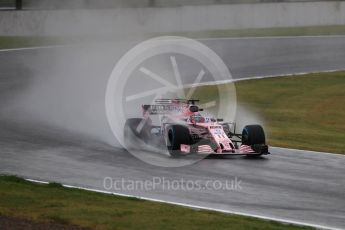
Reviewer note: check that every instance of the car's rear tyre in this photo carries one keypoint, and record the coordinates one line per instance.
(136, 130)
(175, 136)
(253, 134)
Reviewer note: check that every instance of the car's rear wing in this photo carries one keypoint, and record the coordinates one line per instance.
(176, 101)
(162, 109)
(166, 106)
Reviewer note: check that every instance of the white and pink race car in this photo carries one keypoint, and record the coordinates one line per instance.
(183, 130)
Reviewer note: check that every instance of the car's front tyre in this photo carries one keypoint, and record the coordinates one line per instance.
(254, 136)
(175, 136)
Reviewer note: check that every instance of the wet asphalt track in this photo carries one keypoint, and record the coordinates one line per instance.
(289, 184)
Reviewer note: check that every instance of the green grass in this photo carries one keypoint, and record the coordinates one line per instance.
(7, 42)
(304, 112)
(280, 31)
(20, 198)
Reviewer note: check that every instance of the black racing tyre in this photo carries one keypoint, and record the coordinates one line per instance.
(253, 134)
(175, 136)
(132, 134)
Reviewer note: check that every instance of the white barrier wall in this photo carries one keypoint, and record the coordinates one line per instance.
(133, 21)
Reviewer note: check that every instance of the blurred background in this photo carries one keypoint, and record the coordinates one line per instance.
(92, 4)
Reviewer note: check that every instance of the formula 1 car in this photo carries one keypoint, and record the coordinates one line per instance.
(183, 130)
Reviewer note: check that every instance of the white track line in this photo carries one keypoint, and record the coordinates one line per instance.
(259, 77)
(215, 82)
(272, 37)
(199, 39)
(309, 151)
(287, 221)
(33, 48)
(287, 75)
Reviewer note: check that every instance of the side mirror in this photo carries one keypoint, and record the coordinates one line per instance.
(220, 120)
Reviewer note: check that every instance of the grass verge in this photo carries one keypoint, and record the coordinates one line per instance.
(54, 203)
(10, 42)
(268, 32)
(302, 112)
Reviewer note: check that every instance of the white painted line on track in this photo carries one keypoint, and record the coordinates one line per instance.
(208, 83)
(32, 48)
(259, 77)
(199, 39)
(37, 181)
(272, 37)
(308, 151)
(287, 75)
(282, 220)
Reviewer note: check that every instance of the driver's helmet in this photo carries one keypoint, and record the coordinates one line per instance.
(197, 118)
